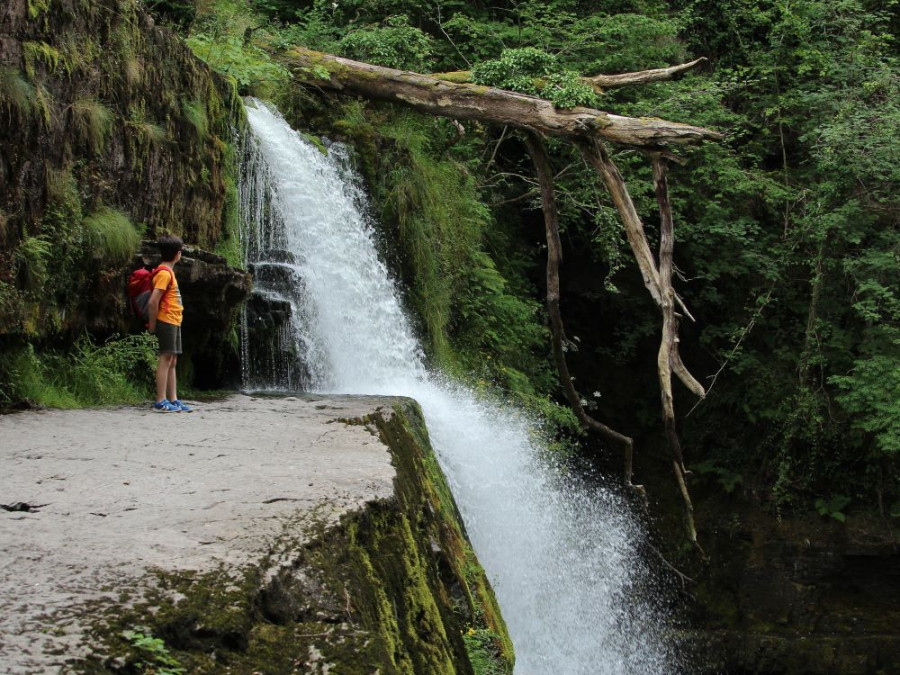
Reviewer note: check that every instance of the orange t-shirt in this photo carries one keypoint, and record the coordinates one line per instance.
(170, 307)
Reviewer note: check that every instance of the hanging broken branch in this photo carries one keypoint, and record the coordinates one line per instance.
(554, 256)
(667, 344)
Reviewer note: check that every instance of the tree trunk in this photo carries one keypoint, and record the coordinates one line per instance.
(468, 101)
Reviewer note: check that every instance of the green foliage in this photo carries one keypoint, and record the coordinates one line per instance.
(118, 371)
(727, 479)
(568, 90)
(153, 653)
(870, 394)
(111, 237)
(485, 655)
(394, 44)
(228, 54)
(93, 122)
(516, 70)
(532, 71)
(233, 41)
(833, 508)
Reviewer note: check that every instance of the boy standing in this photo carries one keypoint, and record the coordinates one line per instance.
(165, 310)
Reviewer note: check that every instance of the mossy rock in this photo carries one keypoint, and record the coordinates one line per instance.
(394, 587)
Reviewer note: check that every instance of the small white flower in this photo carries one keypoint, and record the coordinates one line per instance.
(597, 394)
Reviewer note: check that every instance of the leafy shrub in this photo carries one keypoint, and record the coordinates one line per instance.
(395, 44)
(515, 70)
(531, 71)
(229, 54)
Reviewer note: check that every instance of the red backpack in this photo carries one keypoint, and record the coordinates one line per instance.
(140, 287)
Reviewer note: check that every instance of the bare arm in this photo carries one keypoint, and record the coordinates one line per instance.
(153, 308)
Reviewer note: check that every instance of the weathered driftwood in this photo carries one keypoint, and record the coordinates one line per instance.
(601, 82)
(598, 82)
(431, 95)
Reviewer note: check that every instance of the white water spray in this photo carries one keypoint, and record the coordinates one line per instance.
(561, 556)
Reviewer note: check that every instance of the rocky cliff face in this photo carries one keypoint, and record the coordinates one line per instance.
(796, 594)
(110, 130)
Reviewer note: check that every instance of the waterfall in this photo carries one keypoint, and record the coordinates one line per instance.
(561, 555)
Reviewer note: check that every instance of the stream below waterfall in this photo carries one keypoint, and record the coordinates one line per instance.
(562, 556)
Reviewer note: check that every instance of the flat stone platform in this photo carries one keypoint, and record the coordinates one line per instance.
(93, 499)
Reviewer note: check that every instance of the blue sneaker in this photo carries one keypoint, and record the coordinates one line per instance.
(182, 407)
(164, 406)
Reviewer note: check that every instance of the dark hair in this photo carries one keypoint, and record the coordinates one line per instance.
(169, 246)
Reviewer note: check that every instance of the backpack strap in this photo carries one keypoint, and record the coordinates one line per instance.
(171, 282)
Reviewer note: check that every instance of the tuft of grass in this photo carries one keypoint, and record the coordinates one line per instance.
(93, 122)
(17, 95)
(32, 255)
(195, 113)
(133, 70)
(148, 132)
(111, 236)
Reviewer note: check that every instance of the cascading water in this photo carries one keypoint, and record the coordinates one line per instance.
(561, 556)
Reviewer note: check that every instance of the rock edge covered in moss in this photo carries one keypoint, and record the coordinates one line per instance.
(393, 587)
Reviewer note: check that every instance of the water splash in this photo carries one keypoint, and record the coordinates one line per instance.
(560, 554)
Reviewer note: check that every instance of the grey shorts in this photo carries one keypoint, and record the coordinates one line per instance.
(169, 337)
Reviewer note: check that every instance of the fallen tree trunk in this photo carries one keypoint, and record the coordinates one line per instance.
(431, 95)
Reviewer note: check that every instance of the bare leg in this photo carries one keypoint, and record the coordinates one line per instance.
(164, 366)
(172, 383)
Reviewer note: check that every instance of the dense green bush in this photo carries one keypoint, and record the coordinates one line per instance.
(119, 371)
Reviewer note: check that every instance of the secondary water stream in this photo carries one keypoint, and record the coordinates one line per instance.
(562, 556)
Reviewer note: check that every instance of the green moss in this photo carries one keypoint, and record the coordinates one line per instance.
(37, 7)
(421, 480)
(41, 53)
